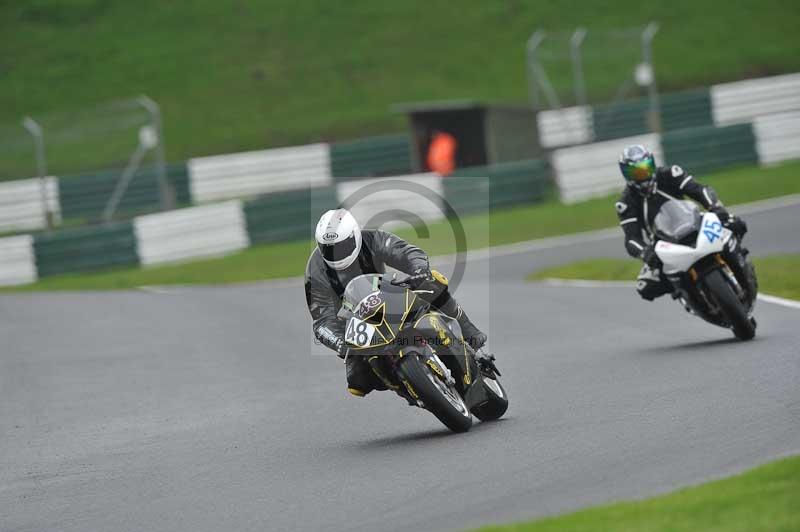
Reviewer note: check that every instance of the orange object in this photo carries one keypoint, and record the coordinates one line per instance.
(442, 153)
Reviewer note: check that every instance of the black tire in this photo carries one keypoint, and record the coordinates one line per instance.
(743, 327)
(496, 406)
(420, 379)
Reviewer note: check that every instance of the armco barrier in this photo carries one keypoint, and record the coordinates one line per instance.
(475, 189)
(742, 101)
(206, 231)
(17, 264)
(706, 149)
(287, 215)
(254, 173)
(85, 249)
(21, 204)
(678, 110)
(584, 124)
(777, 137)
(565, 127)
(590, 170)
(681, 110)
(371, 157)
(86, 195)
(613, 121)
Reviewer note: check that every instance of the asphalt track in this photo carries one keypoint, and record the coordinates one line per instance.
(207, 409)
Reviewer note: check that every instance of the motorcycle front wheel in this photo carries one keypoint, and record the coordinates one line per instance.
(744, 327)
(440, 398)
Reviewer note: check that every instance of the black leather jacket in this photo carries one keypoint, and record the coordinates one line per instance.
(637, 212)
(325, 286)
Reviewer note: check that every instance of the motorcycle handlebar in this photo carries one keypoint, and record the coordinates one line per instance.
(409, 280)
(401, 282)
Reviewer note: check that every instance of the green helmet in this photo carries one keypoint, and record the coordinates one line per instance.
(638, 167)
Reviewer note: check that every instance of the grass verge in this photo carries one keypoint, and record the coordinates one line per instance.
(762, 499)
(233, 76)
(776, 274)
(551, 218)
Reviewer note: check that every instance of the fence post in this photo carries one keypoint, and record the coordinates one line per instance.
(165, 191)
(533, 85)
(575, 43)
(537, 75)
(652, 89)
(33, 127)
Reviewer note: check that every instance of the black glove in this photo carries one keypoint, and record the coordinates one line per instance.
(420, 278)
(650, 258)
(736, 224)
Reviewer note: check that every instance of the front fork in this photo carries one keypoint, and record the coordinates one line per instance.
(736, 269)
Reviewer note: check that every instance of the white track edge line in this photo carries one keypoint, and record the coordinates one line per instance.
(782, 301)
(588, 283)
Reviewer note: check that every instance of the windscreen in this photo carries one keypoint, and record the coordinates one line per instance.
(356, 290)
(677, 219)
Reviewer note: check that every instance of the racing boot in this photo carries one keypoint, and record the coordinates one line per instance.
(360, 378)
(446, 303)
(472, 335)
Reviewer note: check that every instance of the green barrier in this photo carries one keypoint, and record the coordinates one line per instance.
(287, 215)
(86, 195)
(85, 249)
(506, 184)
(678, 110)
(705, 149)
(370, 157)
(625, 119)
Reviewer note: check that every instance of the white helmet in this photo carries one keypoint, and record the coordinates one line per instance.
(338, 238)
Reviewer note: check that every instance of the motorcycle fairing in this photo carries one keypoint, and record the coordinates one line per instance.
(389, 316)
(711, 238)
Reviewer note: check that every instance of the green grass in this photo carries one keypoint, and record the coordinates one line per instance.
(247, 75)
(764, 499)
(551, 218)
(591, 269)
(776, 274)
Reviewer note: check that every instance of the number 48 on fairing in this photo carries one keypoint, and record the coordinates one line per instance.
(359, 332)
(712, 230)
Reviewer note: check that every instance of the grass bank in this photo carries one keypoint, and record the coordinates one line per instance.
(761, 500)
(546, 219)
(776, 274)
(233, 76)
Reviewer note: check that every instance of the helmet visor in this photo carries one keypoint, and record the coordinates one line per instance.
(639, 171)
(338, 250)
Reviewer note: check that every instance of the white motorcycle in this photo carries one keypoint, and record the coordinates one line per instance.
(709, 270)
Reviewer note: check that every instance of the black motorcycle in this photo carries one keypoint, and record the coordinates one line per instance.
(420, 353)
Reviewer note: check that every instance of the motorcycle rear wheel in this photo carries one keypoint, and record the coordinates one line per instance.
(497, 404)
(744, 327)
(441, 400)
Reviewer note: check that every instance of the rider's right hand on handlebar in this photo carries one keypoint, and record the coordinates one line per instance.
(737, 225)
(650, 257)
(419, 278)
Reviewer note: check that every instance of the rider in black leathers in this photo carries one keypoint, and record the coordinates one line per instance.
(362, 251)
(649, 187)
